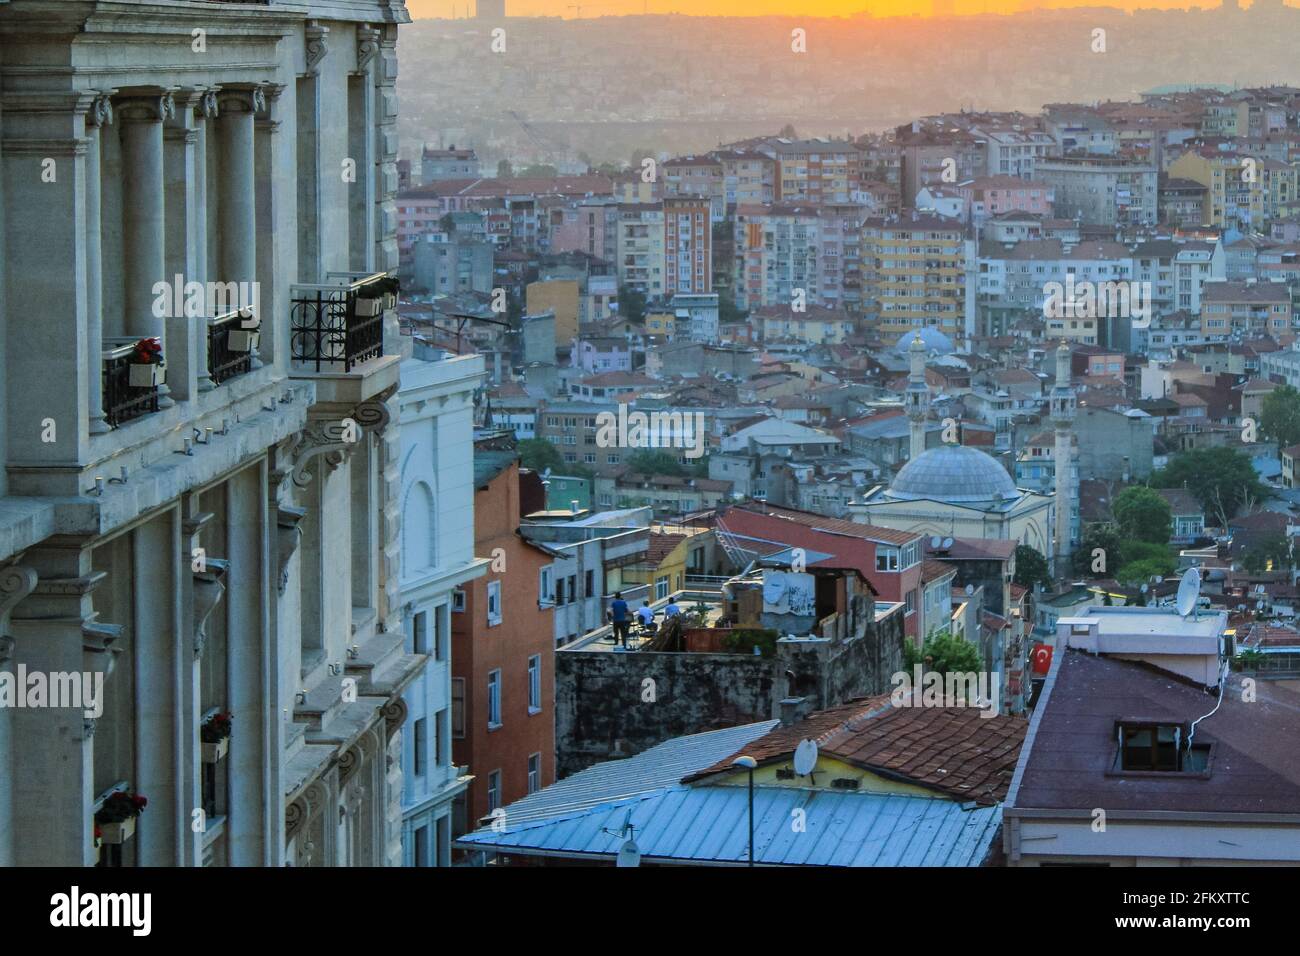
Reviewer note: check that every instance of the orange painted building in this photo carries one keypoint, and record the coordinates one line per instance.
(503, 654)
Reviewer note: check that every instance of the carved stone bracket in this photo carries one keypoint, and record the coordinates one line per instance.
(317, 45)
(367, 46)
(207, 107)
(100, 113)
(100, 645)
(147, 107)
(16, 582)
(288, 521)
(209, 588)
(394, 716)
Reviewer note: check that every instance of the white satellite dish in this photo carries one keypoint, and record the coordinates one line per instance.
(805, 757)
(935, 541)
(629, 854)
(1189, 591)
(970, 590)
(774, 585)
(947, 543)
(1160, 579)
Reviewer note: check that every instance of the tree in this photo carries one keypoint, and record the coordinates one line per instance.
(538, 171)
(942, 652)
(788, 132)
(1142, 515)
(631, 304)
(1140, 572)
(1279, 418)
(727, 310)
(1222, 479)
(1268, 552)
(1103, 537)
(655, 462)
(538, 454)
(1031, 567)
(505, 169)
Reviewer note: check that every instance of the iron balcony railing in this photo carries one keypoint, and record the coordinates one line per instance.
(341, 325)
(124, 402)
(232, 339)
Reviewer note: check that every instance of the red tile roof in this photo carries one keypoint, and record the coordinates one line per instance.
(952, 750)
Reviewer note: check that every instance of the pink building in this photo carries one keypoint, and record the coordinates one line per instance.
(989, 196)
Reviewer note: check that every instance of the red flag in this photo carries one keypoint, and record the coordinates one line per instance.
(1041, 659)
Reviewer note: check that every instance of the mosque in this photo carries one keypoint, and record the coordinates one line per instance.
(961, 492)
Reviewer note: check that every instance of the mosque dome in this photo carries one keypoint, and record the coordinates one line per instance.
(933, 340)
(953, 473)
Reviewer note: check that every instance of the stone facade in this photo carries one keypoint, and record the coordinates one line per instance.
(223, 538)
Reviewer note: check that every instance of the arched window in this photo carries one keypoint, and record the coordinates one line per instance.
(419, 531)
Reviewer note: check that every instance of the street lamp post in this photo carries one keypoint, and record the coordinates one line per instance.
(749, 763)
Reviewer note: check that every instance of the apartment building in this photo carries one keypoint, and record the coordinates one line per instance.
(437, 165)
(1102, 190)
(1247, 308)
(914, 274)
(201, 503)
(991, 196)
(438, 558)
(698, 177)
(1242, 191)
(776, 254)
(748, 177)
(932, 159)
(1013, 150)
(503, 663)
(688, 246)
(814, 170)
(641, 251)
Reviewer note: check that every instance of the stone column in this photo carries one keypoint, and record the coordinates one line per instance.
(100, 115)
(144, 224)
(205, 114)
(54, 632)
(274, 225)
(186, 328)
(237, 200)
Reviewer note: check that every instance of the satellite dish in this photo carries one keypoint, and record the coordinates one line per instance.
(935, 541)
(629, 854)
(947, 543)
(773, 587)
(1145, 588)
(970, 589)
(1160, 579)
(805, 757)
(1188, 591)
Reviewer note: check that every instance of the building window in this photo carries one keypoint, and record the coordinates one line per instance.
(559, 592)
(545, 588)
(535, 684)
(419, 746)
(458, 707)
(422, 846)
(439, 730)
(441, 629)
(661, 588)
(420, 633)
(589, 584)
(494, 699)
(910, 600)
(887, 559)
(493, 603)
(494, 790)
(458, 601)
(534, 773)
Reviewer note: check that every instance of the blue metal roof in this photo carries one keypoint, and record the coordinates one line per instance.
(709, 824)
(664, 765)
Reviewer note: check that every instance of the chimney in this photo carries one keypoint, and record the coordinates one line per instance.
(792, 710)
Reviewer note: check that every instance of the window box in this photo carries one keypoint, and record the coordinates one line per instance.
(119, 832)
(143, 375)
(214, 752)
(244, 340)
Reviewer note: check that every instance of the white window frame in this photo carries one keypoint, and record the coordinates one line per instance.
(546, 585)
(458, 601)
(493, 603)
(494, 699)
(534, 775)
(494, 790)
(535, 684)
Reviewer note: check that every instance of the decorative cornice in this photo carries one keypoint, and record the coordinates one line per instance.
(101, 110)
(16, 582)
(206, 107)
(250, 99)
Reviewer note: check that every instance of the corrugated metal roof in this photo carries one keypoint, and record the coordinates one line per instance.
(653, 770)
(709, 824)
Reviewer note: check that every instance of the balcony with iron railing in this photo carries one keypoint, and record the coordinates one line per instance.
(131, 388)
(337, 333)
(233, 338)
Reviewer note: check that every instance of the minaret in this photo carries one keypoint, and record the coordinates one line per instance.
(918, 396)
(1063, 422)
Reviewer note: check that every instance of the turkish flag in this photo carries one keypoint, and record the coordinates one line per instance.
(1041, 659)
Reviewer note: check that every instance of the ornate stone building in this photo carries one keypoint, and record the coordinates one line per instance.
(210, 185)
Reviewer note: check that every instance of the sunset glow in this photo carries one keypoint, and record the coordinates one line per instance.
(758, 8)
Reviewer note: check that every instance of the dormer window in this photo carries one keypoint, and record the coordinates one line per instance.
(1154, 747)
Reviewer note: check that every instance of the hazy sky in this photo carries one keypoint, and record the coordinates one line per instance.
(445, 8)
